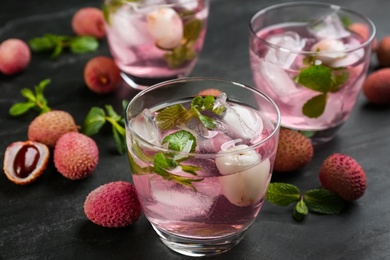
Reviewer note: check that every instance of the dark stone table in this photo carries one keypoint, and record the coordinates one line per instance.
(45, 220)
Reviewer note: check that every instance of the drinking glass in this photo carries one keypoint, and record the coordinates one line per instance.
(201, 164)
(155, 40)
(311, 59)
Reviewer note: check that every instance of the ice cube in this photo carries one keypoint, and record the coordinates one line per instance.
(145, 126)
(212, 145)
(329, 26)
(288, 44)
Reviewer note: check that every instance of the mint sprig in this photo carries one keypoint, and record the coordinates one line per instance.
(320, 201)
(35, 99)
(322, 79)
(97, 117)
(57, 43)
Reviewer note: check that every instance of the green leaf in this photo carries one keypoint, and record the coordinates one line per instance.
(111, 113)
(170, 116)
(179, 140)
(94, 120)
(162, 164)
(20, 108)
(136, 169)
(120, 140)
(282, 194)
(316, 77)
(139, 153)
(42, 44)
(191, 169)
(192, 29)
(83, 44)
(346, 21)
(339, 77)
(315, 106)
(300, 210)
(323, 201)
(29, 94)
(178, 56)
(57, 52)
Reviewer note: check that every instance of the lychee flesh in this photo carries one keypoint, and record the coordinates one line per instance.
(114, 204)
(89, 21)
(343, 175)
(294, 151)
(25, 161)
(48, 127)
(383, 52)
(101, 75)
(75, 155)
(376, 87)
(15, 56)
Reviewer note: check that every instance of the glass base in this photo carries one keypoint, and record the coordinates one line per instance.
(322, 136)
(142, 83)
(199, 247)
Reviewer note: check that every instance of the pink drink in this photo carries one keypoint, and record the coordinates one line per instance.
(157, 41)
(281, 54)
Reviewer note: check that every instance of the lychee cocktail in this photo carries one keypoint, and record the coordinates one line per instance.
(152, 41)
(311, 61)
(201, 164)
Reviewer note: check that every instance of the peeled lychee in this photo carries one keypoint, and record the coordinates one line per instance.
(294, 151)
(75, 155)
(25, 161)
(89, 21)
(101, 75)
(376, 87)
(383, 52)
(48, 127)
(15, 56)
(343, 175)
(114, 204)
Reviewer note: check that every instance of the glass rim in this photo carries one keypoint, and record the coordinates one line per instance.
(143, 4)
(314, 4)
(204, 155)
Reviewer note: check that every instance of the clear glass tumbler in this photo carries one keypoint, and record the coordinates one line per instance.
(311, 59)
(154, 41)
(201, 164)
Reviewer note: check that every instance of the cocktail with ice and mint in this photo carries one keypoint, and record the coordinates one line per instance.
(155, 40)
(201, 164)
(311, 61)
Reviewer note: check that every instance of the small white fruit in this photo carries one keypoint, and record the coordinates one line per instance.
(329, 50)
(246, 176)
(166, 27)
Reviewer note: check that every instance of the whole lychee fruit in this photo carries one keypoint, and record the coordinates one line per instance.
(383, 52)
(364, 32)
(343, 175)
(210, 92)
(48, 127)
(15, 56)
(75, 155)
(114, 204)
(89, 21)
(376, 87)
(25, 161)
(101, 75)
(294, 151)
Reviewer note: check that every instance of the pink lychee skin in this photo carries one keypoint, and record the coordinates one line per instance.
(343, 175)
(15, 56)
(75, 155)
(114, 204)
(89, 21)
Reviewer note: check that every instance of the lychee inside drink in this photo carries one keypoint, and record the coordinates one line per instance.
(233, 171)
(279, 53)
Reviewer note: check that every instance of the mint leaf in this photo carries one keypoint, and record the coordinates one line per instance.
(315, 106)
(300, 210)
(162, 165)
(323, 201)
(192, 29)
(111, 113)
(136, 169)
(191, 169)
(120, 140)
(339, 77)
(29, 94)
(316, 77)
(83, 44)
(282, 194)
(170, 116)
(42, 43)
(179, 140)
(94, 120)
(20, 108)
(178, 56)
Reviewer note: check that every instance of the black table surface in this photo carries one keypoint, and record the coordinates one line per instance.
(45, 220)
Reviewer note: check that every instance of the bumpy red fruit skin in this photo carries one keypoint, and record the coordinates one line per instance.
(343, 175)
(294, 151)
(376, 87)
(114, 204)
(89, 21)
(75, 155)
(101, 75)
(383, 52)
(15, 56)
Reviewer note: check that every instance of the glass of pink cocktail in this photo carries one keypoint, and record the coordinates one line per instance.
(201, 164)
(155, 40)
(311, 59)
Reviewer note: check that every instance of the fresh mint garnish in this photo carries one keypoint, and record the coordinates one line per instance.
(177, 114)
(322, 79)
(112, 6)
(181, 141)
(320, 201)
(57, 43)
(97, 117)
(35, 100)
